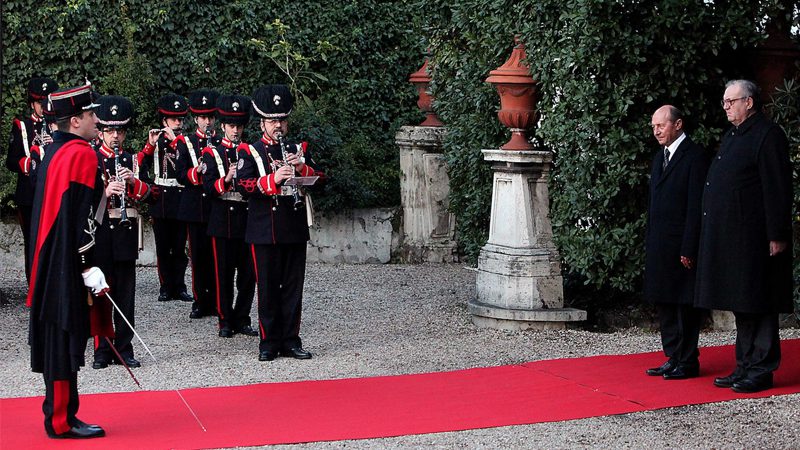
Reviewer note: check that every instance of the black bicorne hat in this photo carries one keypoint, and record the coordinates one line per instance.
(203, 102)
(233, 109)
(73, 101)
(40, 88)
(172, 105)
(114, 111)
(273, 101)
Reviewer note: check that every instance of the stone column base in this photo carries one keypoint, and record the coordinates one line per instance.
(490, 316)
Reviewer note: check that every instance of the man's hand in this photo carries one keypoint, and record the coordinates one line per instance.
(231, 173)
(94, 279)
(687, 262)
(152, 138)
(169, 133)
(115, 188)
(776, 247)
(284, 173)
(125, 174)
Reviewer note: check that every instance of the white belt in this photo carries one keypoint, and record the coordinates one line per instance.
(232, 197)
(168, 182)
(114, 213)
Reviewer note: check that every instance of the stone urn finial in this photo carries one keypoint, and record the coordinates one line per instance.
(422, 80)
(518, 95)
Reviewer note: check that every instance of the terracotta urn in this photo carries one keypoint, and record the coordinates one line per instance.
(518, 95)
(422, 80)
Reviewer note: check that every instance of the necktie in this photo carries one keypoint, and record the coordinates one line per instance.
(666, 158)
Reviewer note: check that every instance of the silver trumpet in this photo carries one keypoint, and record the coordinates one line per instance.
(123, 210)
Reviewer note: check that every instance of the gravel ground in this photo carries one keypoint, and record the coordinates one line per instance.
(371, 320)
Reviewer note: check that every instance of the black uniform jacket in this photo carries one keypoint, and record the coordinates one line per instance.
(195, 204)
(747, 202)
(115, 242)
(673, 223)
(271, 218)
(62, 228)
(158, 168)
(18, 161)
(228, 217)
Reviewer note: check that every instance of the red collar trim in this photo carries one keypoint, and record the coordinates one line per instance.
(106, 151)
(227, 143)
(35, 118)
(268, 140)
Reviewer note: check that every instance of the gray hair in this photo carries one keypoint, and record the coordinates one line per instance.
(749, 89)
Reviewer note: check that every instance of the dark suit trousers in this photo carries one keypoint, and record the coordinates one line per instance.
(200, 255)
(280, 274)
(170, 237)
(232, 258)
(680, 332)
(122, 281)
(24, 215)
(60, 404)
(758, 345)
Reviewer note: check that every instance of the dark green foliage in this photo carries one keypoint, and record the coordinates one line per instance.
(604, 67)
(357, 81)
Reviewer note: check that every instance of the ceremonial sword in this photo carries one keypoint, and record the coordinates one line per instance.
(152, 356)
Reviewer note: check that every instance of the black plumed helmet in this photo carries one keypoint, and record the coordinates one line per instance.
(273, 101)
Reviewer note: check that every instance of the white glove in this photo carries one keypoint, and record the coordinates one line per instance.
(95, 280)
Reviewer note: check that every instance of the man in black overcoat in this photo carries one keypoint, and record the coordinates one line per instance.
(673, 231)
(745, 258)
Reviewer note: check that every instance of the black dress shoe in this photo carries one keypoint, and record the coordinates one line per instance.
(131, 362)
(266, 355)
(681, 372)
(726, 382)
(296, 353)
(751, 385)
(163, 297)
(247, 330)
(658, 371)
(184, 297)
(196, 314)
(100, 364)
(84, 431)
(225, 332)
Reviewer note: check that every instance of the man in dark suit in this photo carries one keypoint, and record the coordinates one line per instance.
(673, 233)
(745, 257)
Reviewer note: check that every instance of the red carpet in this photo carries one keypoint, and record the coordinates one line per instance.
(542, 391)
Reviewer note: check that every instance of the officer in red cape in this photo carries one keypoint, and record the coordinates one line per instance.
(68, 194)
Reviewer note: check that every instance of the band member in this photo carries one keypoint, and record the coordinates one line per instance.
(159, 157)
(277, 225)
(25, 133)
(195, 204)
(119, 236)
(228, 220)
(38, 151)
(68, 193)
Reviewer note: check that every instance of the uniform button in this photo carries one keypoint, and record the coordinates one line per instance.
(708, 183)
(704, 214)
(231, 208)
(111, 226)
(204, 194)
(719, 157)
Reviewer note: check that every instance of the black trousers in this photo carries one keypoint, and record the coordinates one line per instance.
(60, 404)
(122, 281)
(280, 275)
(200, 255)
(680, 332)
(232, 259)
(758, 345)
(170, 237)
(24, 215)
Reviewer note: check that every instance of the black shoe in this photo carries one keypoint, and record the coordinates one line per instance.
(184, 297)
(163, 297)
(131, 362)
(266, 355)
(296, 353)
(681, 372)
(247, 330)
(196, 314)
(225, 332)
(726, 382)
(83, 431)
(100, 363)
(752, 385)
(661, 370)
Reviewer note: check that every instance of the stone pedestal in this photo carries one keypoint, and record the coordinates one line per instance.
(519, 283)
(428, 226)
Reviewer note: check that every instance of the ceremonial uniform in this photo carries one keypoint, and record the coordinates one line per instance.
(26, 133)
(276, 229)
(67, 196)
(195, 205)
(169, 231)
(39, 150)
(118, 242)
(227, 224)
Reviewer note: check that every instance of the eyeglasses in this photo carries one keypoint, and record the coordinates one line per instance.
(726, 103)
